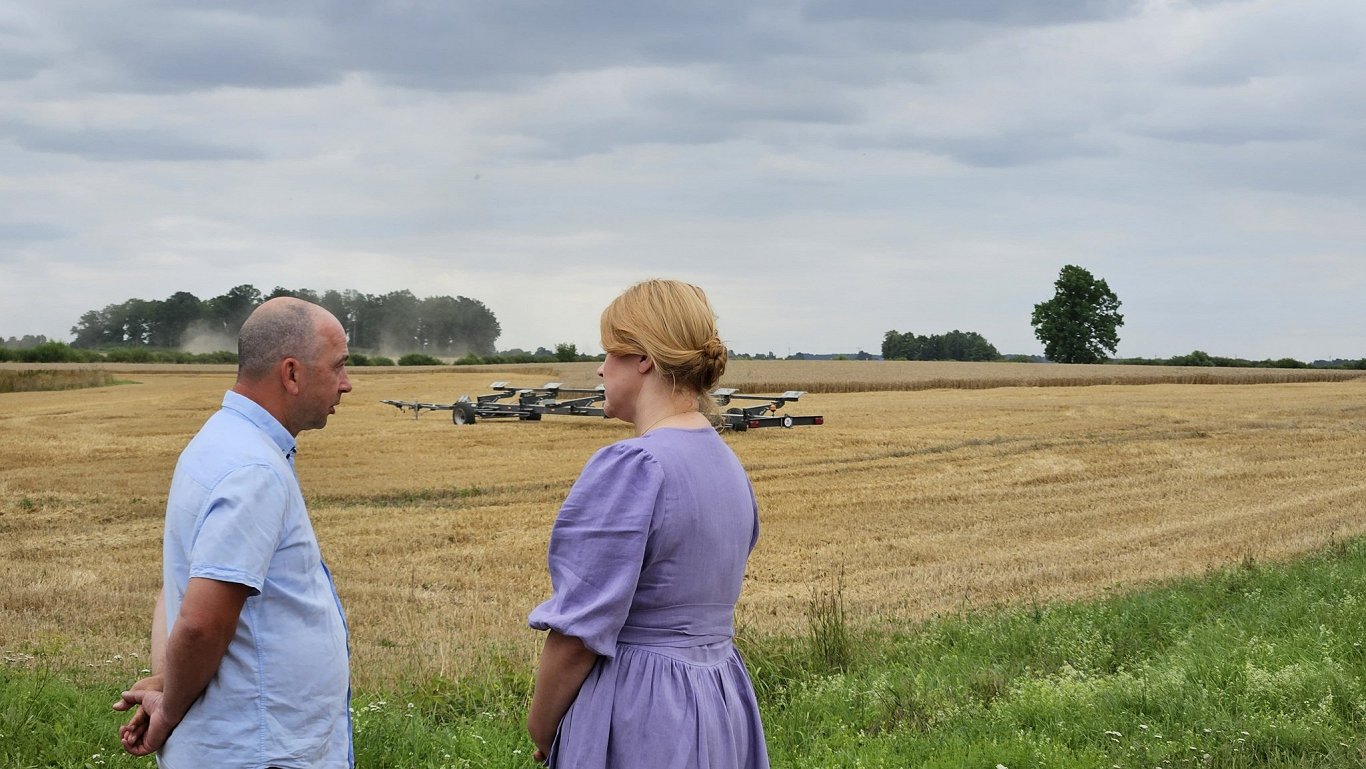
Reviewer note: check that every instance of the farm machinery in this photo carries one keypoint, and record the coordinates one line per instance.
(764, 414)
(528, 404)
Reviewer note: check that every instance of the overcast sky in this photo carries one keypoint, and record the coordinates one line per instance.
(826, 169)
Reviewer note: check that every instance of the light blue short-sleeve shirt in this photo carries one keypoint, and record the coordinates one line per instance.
(235, 514)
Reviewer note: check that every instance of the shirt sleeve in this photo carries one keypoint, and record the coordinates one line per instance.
(240, 528)
(597, 547)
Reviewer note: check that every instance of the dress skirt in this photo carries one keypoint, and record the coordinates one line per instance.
(664, 708)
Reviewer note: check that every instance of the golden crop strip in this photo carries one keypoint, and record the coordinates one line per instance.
(927, 501)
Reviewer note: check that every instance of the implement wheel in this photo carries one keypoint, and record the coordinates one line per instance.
(462, 414)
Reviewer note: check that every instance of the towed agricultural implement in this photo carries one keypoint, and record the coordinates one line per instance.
(528, 404)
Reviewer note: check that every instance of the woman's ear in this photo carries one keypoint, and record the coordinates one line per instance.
(645, 364)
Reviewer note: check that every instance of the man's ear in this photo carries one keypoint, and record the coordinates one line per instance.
(290, 371)
(646, 363)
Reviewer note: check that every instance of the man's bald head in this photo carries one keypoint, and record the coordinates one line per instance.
(283, 327)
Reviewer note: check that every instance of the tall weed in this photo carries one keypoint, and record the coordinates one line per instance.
(828, 623)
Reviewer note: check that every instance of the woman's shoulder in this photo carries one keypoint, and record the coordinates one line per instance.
(661, 449)
(685, 446)
(622, 454)
(624, 468)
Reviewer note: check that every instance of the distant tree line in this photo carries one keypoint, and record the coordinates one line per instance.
(25, 342)
(1202, 358)
(397, 321)
(564, 352)
(61, 352)
(955, 345)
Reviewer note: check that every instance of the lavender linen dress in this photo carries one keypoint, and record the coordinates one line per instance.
(646, 560)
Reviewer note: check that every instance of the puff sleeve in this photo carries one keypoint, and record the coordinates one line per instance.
(598, 544)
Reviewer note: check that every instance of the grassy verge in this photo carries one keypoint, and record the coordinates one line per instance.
(1256, 666)
(1260, 666)
(32, 380)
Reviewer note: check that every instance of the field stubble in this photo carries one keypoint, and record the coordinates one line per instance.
(918, 503)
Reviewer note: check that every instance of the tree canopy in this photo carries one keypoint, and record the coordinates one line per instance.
(955, 345)
(1080, 324)
(395, 322)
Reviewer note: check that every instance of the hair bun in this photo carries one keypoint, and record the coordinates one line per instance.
(712, 362)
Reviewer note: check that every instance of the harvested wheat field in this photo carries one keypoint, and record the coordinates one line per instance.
(925, 501)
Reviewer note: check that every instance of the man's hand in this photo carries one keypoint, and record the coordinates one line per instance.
(207, 621)
(137, 725)
(147, 730)
(133, 732)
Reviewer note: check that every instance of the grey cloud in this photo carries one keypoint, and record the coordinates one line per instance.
(186, 48)
(1311, 169)
(17, 63)
(1004, 148)
(483, 45)
(988, 12)
(797, 102)
(700, 112)
(25, 47)
(211, 61)
(1230, 133)
(14, 66)
(163, 46)
(567, 139)
(1013, 150)
(1290, 39)
(30, 232)
(124, 145)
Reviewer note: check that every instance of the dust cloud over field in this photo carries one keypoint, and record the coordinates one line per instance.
(927, 501)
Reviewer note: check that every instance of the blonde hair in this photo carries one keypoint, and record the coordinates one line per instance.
(673, 323)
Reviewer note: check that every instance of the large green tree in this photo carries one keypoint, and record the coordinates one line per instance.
(1080, 324)
(229, 311)
(173, 318)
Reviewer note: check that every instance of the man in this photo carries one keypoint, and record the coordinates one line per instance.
(250, 659)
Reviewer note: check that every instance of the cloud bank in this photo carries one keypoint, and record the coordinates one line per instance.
(826, 170)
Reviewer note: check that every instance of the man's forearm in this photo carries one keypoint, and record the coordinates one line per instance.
(192, 659)
(197, 643)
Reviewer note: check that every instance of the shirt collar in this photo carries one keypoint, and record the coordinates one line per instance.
(263, 419)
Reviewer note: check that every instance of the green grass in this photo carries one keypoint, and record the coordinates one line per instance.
(1261, 665)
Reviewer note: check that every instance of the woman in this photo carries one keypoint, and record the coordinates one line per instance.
(646, 560)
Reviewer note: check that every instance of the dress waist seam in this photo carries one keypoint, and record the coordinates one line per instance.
(657, 650)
